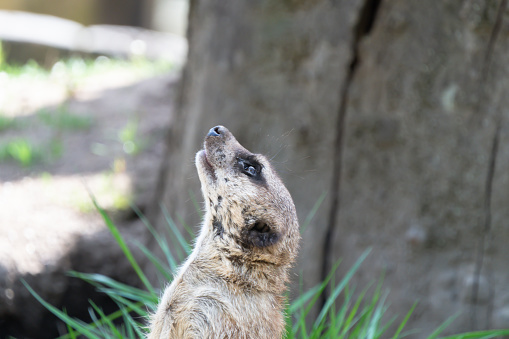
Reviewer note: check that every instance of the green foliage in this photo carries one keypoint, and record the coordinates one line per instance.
(63, 119)
(2, 55)
(71, 72)
(356, 316)
(26, 153)
(76, 69)
(121, 242)
(6, 123)
(129, 136)
(20, 150)
(30, 70)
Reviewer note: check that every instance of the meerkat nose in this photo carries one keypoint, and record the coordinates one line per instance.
(216, 131)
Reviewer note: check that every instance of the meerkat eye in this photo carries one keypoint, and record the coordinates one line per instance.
(250, 169)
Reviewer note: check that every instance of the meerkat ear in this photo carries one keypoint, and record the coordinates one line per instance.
(261, 234)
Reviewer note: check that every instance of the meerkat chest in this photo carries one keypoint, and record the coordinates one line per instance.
(246, 315)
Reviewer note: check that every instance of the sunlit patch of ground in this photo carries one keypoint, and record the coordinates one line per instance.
(42, 215)
(81, 128)
(27, 88)
(38, 228)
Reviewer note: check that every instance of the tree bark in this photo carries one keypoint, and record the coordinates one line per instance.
(395, 109)
(423, 177)
(273, 73)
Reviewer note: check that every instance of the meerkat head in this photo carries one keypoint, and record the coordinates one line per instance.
(248, 208)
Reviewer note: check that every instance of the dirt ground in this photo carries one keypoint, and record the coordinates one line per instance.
(106, 138)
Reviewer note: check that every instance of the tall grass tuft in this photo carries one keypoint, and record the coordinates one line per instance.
(344, 315)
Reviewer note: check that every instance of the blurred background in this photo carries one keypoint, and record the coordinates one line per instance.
(387, 120)
(86, 98)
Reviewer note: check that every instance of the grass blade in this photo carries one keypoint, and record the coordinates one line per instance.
(196, 204)
(99, 280)
(443, 326)
(105, 319)
(161, 240)
(339, 288)
(403, 323)
(312, 213)
(161, 268)
(70, 331)
(301, 300)
(139, 308)
(354, 314)
(81, 327)
(134, 325)
(185, 245)
(121, 242)
(479, 334)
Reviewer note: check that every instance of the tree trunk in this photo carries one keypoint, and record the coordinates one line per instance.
(394, 109)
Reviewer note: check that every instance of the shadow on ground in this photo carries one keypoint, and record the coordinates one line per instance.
(107, 142)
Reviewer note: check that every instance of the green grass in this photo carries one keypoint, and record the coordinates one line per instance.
(129, 136)
(77, 69)
(7, 123)
(2, 55)
(72, 72)
(20, 150)
(26, 153)
(62, 119)
(344, 315)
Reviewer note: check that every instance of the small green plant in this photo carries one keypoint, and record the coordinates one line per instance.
(71, 72)
(20, 150)
(2, 55)
(75, 70)
(55, 148)
(355, 317)
(30, 70)
(63, 119)
(26, 153)
(131, 142)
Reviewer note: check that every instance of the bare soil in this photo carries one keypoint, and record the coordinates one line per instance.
(47, 222)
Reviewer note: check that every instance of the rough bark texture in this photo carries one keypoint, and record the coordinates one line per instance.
(397, 109)
(273, 73)
(422, 176)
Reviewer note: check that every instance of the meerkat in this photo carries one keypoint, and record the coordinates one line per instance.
(232, 284)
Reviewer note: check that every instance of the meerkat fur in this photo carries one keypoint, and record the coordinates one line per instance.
(232, 284)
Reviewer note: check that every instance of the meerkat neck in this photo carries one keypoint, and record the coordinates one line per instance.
(237, 269)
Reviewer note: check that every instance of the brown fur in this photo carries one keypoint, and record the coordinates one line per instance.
(232, 284)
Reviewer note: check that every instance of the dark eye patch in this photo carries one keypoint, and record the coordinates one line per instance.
(250, 167)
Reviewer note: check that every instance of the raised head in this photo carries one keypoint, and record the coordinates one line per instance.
(248, 208)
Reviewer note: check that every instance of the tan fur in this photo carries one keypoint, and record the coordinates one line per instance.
(232, 284)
